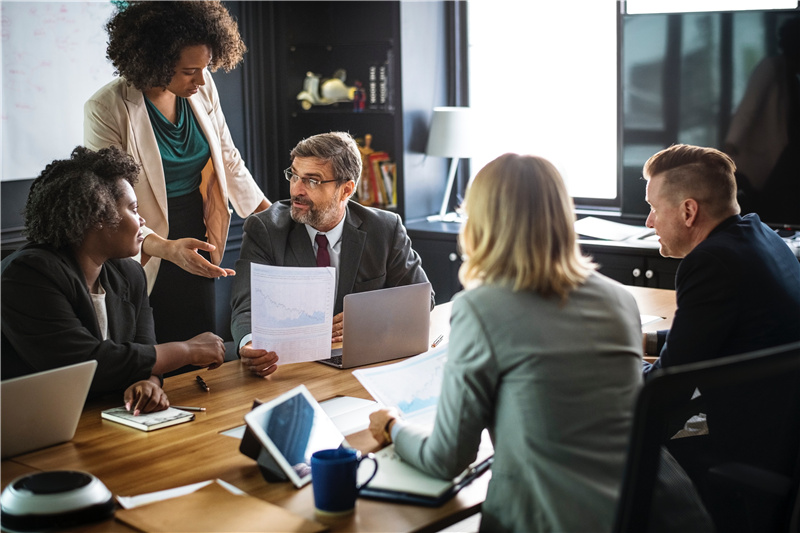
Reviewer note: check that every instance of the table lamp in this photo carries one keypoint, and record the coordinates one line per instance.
(450, 136)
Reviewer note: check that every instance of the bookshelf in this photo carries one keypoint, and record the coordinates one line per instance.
(362, 40)
(403, 44)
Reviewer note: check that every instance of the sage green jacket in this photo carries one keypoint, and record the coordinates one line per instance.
(555, 384)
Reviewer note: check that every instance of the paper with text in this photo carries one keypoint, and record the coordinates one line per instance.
(413, 385)
(292, 311)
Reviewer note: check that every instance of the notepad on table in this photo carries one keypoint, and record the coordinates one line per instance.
(397, 480)
(148, 421)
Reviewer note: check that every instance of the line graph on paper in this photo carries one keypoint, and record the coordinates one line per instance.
(277, 314)
(292, 311)
(413, 385)
(291, 303)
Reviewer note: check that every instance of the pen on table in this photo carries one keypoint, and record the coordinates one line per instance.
(437, 340)
(202, 384)
(187, 408)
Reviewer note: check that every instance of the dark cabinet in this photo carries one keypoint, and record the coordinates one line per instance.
(441, 261)
(437, 245)
(631, 264)
(635, 267)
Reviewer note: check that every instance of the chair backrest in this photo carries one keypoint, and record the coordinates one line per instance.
(670, 389)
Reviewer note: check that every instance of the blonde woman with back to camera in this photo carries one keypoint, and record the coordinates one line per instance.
(545, 353)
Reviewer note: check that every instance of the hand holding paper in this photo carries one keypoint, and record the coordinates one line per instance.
(292, 311)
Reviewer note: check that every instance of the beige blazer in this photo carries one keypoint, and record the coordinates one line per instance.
(117, 115)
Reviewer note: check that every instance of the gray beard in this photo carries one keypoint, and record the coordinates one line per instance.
(314, 217)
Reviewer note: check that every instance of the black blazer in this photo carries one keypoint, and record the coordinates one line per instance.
(738, 291)
(48, 319)
(376, 253)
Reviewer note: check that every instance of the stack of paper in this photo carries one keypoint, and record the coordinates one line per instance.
(609, 230)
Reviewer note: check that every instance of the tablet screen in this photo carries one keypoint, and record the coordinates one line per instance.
(291, 428)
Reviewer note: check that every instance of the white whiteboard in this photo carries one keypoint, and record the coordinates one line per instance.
(53, 60)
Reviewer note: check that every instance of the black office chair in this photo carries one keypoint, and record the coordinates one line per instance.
(752, 472)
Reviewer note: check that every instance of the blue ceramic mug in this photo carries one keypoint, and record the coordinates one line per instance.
(333, 478)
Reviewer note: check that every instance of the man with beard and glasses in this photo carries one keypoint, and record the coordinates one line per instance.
(319, 226)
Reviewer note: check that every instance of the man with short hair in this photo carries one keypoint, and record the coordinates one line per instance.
(738, 286)
(368, 247)
(738, 290)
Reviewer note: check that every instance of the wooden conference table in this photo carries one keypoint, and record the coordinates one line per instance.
(132, 462)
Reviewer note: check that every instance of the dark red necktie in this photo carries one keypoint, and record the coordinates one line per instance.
(323, 257)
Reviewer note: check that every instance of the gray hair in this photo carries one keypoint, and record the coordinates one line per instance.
(337, 147)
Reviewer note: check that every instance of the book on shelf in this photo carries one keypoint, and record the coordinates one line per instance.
(380, 194)
(372, 87)
(363, 190)
(383, 85)
(147, 421)
(389, 174)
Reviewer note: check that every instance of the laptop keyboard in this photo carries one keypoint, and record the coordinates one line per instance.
(336, 360)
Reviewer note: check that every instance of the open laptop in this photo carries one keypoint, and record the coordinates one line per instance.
(43, 409)
(384, 324)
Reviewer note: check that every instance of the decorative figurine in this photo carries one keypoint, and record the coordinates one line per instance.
(331, 91)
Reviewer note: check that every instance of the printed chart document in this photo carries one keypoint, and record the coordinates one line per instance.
(413, 385)
(292, 311)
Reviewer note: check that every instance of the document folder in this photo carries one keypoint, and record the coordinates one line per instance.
(397, 481)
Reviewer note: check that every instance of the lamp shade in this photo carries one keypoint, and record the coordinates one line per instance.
(451, 133)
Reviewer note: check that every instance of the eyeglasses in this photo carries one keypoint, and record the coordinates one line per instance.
(311, 183)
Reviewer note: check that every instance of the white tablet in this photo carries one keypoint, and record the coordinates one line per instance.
(290, 428)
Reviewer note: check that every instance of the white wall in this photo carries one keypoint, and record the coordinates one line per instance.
(53, 60)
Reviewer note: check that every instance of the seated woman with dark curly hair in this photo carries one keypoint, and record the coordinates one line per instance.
(74, 294)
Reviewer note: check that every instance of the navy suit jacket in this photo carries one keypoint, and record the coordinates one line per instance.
(376, 253)
(49, 319)
(739, 291)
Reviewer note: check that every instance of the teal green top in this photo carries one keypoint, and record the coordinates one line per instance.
(184, 149)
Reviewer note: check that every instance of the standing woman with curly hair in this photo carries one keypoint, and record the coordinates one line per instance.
(74, 294)
(164, 110)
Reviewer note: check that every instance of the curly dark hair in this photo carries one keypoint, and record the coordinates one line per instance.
(145, 39)
(73, 195)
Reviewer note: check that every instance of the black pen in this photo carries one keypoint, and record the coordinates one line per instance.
(437, 341)
(187, 408)
(202, 384)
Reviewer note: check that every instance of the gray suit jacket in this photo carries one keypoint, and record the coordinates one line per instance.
(376, 253)
(554, 383)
